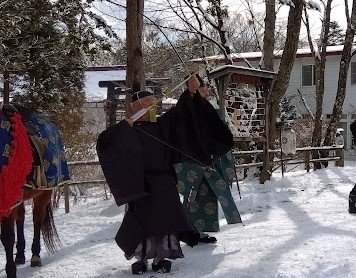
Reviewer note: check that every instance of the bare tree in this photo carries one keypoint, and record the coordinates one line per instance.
(269, 35)
(213, 17)
(134, 26)
(286, 65)
(319, 54)
(344, 67)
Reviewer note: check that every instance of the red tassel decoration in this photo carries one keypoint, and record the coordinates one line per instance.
(13, 175)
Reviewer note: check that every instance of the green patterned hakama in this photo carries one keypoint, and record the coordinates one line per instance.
(202, 188)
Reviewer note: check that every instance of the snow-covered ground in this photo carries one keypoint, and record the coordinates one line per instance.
(296, 226)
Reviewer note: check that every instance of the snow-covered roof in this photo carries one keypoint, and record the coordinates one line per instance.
(221, 70)
(105, 75)
(92, 78)
(330, 50)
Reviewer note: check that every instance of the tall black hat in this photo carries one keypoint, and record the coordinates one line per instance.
(140, 94)
(137, 93)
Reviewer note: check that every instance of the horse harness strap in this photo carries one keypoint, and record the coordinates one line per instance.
(37, 178)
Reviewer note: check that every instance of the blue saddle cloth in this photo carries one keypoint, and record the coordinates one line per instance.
(5, 140)
(55, 164)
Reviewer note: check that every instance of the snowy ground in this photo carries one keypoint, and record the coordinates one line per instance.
(296, 226)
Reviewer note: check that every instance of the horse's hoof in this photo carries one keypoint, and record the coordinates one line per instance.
(36, 261)
(20, 260)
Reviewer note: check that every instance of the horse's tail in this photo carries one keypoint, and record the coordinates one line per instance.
(49, 231)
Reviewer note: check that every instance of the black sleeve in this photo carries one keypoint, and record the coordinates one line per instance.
(196, 130)
(121, 160)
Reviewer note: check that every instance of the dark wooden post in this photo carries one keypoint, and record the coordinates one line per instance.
(342, 159)
(340, 162)
(265, 174)
(66, 197)
(111, 104)
(307, 160)
(6, 91)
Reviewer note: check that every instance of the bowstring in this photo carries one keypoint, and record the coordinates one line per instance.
(169, 93)
(174, 148)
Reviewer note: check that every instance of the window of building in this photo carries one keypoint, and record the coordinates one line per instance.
(308, 75)
(353, 72)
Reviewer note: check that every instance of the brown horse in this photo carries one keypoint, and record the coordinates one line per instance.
(43, 222)
(40, 136)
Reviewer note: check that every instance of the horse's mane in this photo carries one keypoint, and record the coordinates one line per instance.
(11, 108)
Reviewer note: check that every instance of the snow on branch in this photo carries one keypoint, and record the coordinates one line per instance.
(306, 105)
(309, 4)
(316, 50)
(100, 22)
(287, 2)
(313, 5)
(207, 16)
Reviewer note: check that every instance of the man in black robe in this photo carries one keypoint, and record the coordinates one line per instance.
(137, 159)
(202, 194)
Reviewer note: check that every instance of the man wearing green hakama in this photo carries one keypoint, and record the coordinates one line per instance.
(203, 187)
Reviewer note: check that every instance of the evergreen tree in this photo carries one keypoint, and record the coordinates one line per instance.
(287, 111)
(43, 45)
(336, 34)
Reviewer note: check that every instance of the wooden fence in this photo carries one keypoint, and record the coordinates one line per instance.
(73, 183)
(302, 156)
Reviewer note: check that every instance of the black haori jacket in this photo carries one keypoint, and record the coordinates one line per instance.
(138, 165)
(193, 129)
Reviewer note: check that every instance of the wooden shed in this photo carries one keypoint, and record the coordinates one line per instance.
(244, 95)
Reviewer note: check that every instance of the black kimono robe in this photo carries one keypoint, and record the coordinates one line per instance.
(138, 165)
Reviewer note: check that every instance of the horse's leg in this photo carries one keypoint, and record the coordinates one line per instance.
(43, 222)
(38, 218)
(8, 240)
(19, 213)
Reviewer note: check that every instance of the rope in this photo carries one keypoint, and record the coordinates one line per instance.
(172, 147)
(141, 112)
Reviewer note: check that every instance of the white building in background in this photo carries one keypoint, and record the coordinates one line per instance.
(303, 80)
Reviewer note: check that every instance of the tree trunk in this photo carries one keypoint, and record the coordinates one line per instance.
(223, 33)
(286, 65)
(320, 61)
(341, 88)
(269, 37)
(318, 122)
(135, 67)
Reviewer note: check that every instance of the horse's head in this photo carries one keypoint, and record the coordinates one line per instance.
(25, 114)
